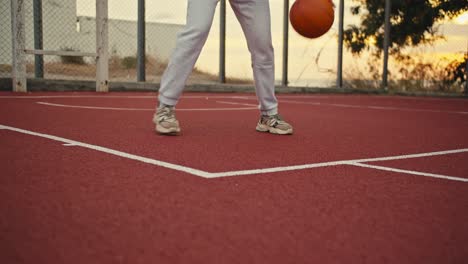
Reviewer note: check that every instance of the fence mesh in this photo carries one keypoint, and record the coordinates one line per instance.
(313, 62)
(164, 21)
(431, 67)
(70, 25)
(60, 32)
(5, 39)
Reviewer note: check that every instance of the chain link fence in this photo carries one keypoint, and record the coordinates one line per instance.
(163, 23)
(312, 62)
(5, 39)
(49, 25)
(70, 25)
(426, 68)
(161, 28)
(433, 67)
(62, 31)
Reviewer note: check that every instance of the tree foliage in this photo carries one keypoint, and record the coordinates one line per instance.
(413, 23)
(456, 71)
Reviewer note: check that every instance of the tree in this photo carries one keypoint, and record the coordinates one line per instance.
(456, 71)
(413, 23)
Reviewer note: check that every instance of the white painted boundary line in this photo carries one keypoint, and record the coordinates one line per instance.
(106, 96)
(143, 109)
(255, 107)
(375, 107)
(233, 103)
(210, 175)
(111, 151)
(412, 156)
(228, 97)
(351, 163)
(96, 107)
(280, 97)
(343, 162)
(410, 172)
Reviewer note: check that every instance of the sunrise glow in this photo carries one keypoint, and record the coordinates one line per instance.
(462, 19)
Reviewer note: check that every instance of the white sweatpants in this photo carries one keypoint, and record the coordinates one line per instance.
(254, 17)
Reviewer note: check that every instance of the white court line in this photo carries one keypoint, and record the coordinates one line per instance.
(228, 97)
(142, 109)
(105, 96)
(375, 107)
(111, 151)
(96, 107)
(439, 176)
(412, 156)
(232, 103)
(211, 175)
(277, 169)
(253, 97)
(334, 163)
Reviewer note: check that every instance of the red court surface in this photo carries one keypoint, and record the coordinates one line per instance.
(364, 179)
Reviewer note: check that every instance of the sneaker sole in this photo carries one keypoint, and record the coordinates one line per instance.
(272, 130)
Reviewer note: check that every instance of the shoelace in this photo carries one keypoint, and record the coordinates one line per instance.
(166, 114)
(274, 120)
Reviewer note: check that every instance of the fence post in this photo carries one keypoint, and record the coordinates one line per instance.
(38, 41)
(222, 42)
(466, 72)
(18, 46)
(141, 43)
(102, 43)
(466, 78)
(284, 81)
(387, 29)
(339, 71)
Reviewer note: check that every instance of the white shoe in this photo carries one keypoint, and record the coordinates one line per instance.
(274, 124)
(165, 120)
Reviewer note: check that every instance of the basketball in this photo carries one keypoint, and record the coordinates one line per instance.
(312, 18)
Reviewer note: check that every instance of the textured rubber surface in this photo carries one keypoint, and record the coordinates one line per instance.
(68, 204)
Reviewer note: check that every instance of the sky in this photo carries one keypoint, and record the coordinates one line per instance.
(304, 69)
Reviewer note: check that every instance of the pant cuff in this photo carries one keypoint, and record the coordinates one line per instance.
(167, 101)
(273, 111)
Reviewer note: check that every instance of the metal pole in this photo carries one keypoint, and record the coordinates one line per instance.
(386, 44)
(18, 38)
(466, 73)
(466, 79)
(284, 81)
(141, 43)
(38, 41)
(339, 72)
(102, 46)
(222, 42)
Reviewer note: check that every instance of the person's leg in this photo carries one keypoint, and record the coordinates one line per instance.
(190, 42)
(254, 17)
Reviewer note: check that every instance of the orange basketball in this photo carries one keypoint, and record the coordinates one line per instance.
(312, 18)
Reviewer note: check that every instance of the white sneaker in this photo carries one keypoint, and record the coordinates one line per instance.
(165, 120)
(274, 124)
